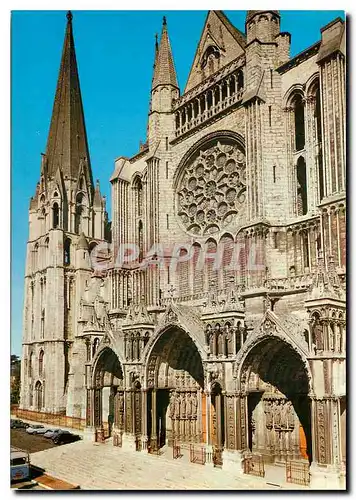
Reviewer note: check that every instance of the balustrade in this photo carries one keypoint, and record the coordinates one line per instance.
(209, 103)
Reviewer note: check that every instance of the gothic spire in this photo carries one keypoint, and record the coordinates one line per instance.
(67, 143)
(164, 71)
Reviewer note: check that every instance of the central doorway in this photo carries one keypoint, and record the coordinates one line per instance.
(174, 400)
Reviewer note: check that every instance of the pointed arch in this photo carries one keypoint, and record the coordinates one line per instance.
(67, 252)
(40, 363)
(39, 402)
(55, 215)
(167, 346)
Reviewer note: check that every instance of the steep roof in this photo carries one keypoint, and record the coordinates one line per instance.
(164, 70)
(67, 140)
(221, 33)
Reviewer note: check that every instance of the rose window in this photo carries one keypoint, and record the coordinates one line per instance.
(212, 188)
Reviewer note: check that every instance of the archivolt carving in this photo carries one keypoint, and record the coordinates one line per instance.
(212, 189)
(259, 335)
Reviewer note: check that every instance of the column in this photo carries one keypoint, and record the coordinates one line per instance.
(326, 467)
(154, 418)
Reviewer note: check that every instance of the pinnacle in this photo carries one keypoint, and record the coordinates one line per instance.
(164, 70)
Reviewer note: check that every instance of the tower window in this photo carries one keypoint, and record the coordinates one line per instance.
(42, 323)
(275, 240)
(271, 76)
(55, 215)
(299, 123)
(166, 143)
(270, 115)
(302, 200)
(166, 169)
(40, 363)
(274, 173)
(67, 252)
(167, 221)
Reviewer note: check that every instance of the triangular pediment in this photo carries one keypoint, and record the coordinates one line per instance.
(285, 327)
(219, 44)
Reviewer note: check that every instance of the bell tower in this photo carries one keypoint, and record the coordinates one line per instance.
(65, 208)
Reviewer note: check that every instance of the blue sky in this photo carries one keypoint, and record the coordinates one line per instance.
(115, 56)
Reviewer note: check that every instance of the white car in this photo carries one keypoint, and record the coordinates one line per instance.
(36, 429)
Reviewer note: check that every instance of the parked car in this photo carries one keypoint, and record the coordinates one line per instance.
(50, 433)
(19, 464)
(62, 437)
(18, 424)
(36, 429)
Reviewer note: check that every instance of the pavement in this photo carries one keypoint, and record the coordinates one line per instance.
(95, 466)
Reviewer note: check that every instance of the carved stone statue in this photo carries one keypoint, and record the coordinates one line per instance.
(317, 334)
(189, 406)
(177, 406)
(183, 406)
(194, 405)
(172, 405)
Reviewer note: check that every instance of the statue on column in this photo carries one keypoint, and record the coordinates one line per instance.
(183, 405)
(177, 406)
(277, 413)
(189, 406)
(194, 405)
(317, 334)
(172, 405)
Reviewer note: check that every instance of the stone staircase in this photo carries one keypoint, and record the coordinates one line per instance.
(102, 466)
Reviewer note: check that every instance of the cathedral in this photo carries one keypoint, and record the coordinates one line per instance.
(210, 311)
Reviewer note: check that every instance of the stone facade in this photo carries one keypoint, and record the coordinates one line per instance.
(249, 159)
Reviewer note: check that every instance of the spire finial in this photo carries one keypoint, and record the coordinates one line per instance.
(69, 16)
(156, 38)
(164, 21)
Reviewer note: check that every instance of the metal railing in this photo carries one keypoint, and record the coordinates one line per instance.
(197, 454)
(298, 473)
(254, 465)
(176, 450)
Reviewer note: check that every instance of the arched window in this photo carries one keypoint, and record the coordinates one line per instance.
(40, 364)
(317, 117)
(217, 94)
(79, 210)
(30, 365)
(35, 256)
(140, 240)
(210, 99)
(39, 396)
(305, 246)
(232, 85)
(87, 344)
(299, 125)
(55, 215)
(302, 200)
(202, 103)
(240, 80)
(67, 252)
(139, 197)
(78, 219)
(42, 323)
(95, 345)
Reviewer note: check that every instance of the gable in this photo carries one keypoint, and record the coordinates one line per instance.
(219, 44)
